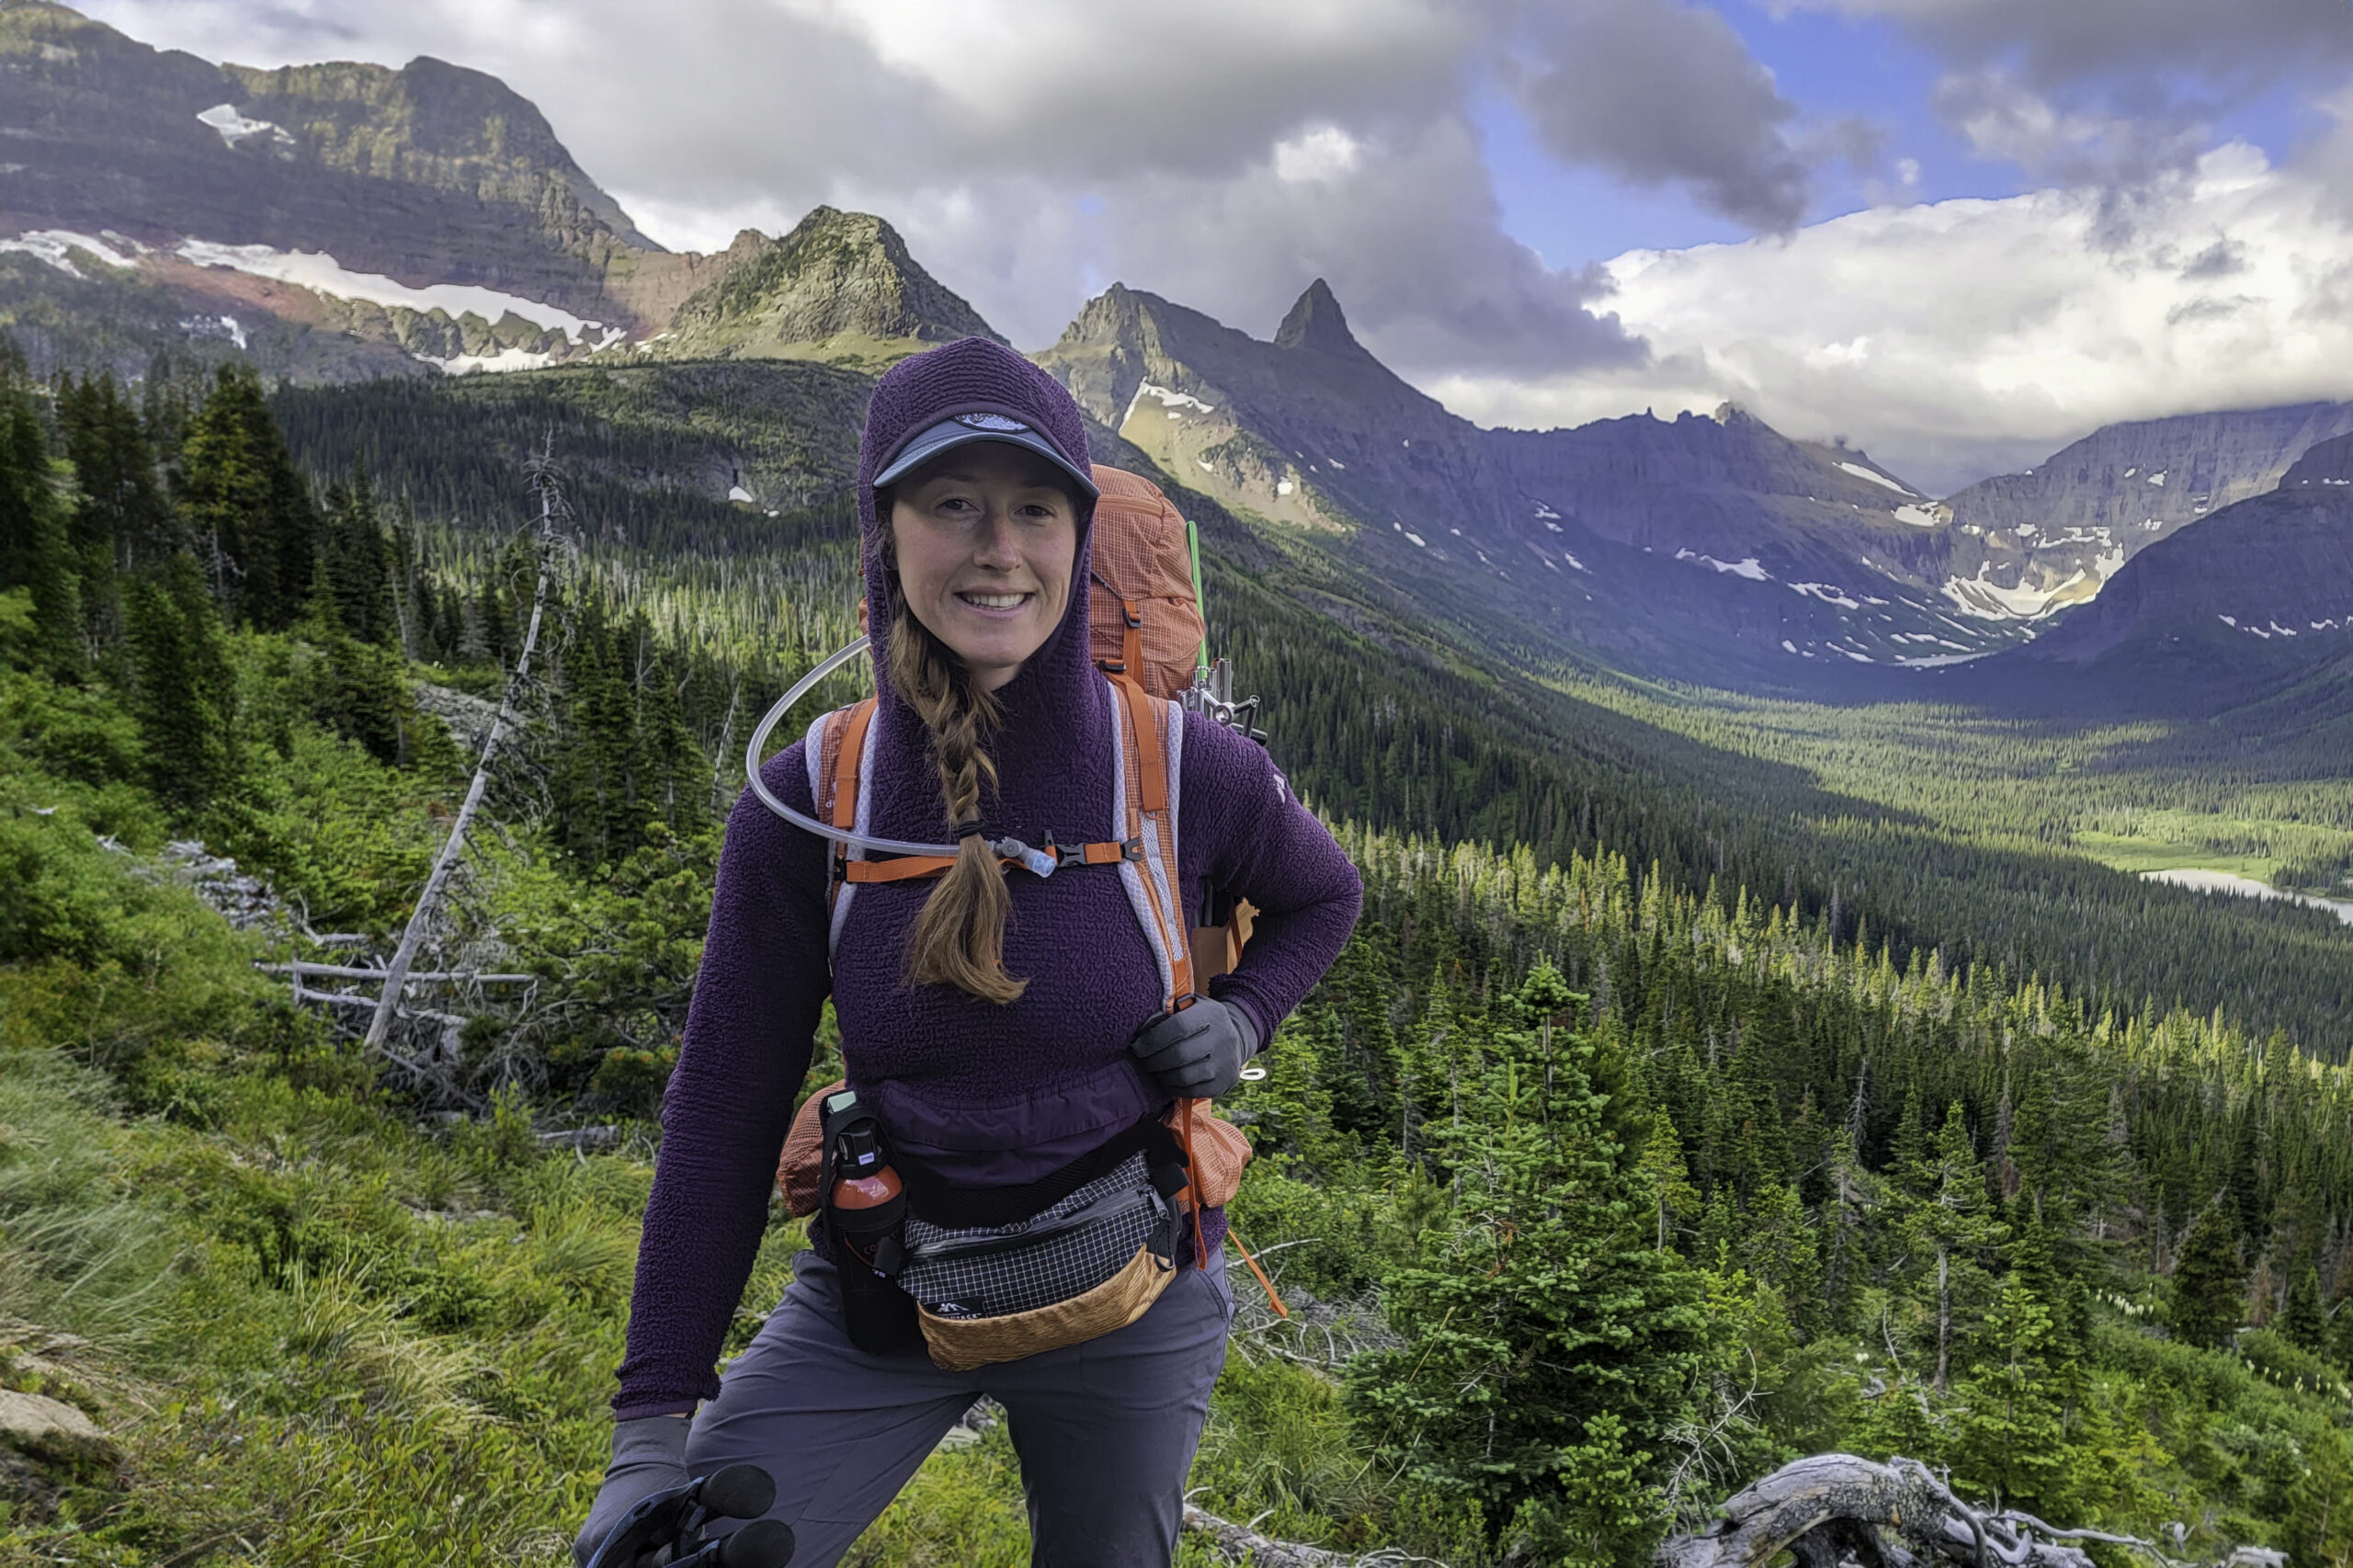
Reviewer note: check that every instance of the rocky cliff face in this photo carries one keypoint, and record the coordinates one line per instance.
(429, 173)
(2261, 585)
(841, 287)
(2025, 544)
(342, 221)
(1712, 549)
(347, 220)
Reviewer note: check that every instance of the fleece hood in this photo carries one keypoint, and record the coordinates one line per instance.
(974, 375)
(1056, 714)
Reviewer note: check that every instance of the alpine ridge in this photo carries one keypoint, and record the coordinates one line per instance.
(341, 222)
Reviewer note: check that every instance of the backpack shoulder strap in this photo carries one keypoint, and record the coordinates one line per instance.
(1148, 754)
(837, 760)
(1147, 780)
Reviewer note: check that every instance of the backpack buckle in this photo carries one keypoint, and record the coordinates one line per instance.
(1132, 849)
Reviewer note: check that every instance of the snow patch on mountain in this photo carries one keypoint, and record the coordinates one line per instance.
(1860, 471)
(1826, 594)
(1749, 567)
(1174, 402)
(1991, 601)
(1918, 516)
(54, 245)
(504, 359)
(236, 128)
(322, 274)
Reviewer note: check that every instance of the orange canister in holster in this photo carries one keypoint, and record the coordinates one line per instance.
(865, 1212)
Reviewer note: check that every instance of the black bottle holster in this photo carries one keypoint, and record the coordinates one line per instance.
(866, 1244)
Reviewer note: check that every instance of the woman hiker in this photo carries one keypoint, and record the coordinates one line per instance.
(1011, 1035)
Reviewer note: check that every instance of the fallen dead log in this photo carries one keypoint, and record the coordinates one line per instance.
(1243, 1544)
(353, 972)
(1830, 1508)
(1825, 1510)
(1240, 1543)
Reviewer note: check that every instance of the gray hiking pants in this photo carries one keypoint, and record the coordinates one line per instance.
(1105, 1430)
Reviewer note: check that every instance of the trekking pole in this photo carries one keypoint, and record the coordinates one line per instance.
(665, 1530)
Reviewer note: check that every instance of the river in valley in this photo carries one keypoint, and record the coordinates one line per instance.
(2247, 887)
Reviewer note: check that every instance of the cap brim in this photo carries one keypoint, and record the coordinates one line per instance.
(949, 434)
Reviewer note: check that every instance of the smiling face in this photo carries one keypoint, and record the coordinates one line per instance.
(985, 539)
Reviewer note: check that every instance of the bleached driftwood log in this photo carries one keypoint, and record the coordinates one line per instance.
(1831, 1509)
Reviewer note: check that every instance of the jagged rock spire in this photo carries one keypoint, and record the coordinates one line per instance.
(1316, 321)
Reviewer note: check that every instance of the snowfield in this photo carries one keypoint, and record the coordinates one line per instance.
(236, 128)
(1749, 567)
(53, 245)
(322, 274)
(1991, 601)
(1860, 471)
(1176, 403)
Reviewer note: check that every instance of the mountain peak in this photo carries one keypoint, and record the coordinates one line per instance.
(1317, 322)
(2324, 462)
(840, 285)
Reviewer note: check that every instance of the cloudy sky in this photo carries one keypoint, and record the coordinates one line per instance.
(1958, 232)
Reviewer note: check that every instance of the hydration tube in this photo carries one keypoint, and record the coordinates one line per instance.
(1037, 860)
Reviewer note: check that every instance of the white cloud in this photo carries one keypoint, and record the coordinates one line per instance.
(1317, 156)
(1034, 151)
(1963, 337)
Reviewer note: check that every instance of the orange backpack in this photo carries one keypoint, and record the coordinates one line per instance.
(1148, 636)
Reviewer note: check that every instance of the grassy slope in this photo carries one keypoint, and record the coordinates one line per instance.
(327, 1335)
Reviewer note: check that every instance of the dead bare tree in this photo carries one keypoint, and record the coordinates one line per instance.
(553, 547)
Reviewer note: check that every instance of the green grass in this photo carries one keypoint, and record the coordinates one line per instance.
(2138, 855)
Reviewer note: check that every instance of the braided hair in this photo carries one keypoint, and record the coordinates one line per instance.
(959, 937)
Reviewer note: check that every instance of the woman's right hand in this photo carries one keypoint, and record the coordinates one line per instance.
(649, 1456)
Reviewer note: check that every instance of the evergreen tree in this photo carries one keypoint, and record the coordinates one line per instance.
(2209, 1282)
(2320, 1504)
(124, 521)
(2304, 1321)
(357, 565)
(1951, 1225)
(1553, 1346)
(355, 687)
(250, 512)
(2008, 1435)
(1856, 1194)
(36, 540)
(184, 689)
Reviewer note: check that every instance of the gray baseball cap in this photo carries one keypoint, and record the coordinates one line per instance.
(962, 429)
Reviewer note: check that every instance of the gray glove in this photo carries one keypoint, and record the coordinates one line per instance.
(649, 1456)
(1199, 1052)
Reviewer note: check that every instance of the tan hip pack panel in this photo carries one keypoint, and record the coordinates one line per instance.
(959, 1344)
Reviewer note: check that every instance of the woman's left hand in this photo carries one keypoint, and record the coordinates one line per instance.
(1199, 1052)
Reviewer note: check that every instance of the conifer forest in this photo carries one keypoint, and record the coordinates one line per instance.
(1711, 1083)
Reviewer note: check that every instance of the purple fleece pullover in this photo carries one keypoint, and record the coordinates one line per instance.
(989, 1096)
